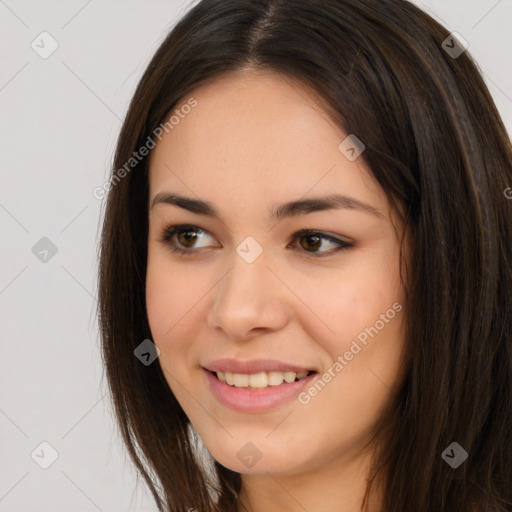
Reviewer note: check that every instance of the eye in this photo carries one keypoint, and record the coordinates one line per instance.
(186, 236)
(182, 238)
(313, 239)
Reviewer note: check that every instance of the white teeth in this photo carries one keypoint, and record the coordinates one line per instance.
(275, 378)
(289, 376)
(259, 380)
(240, 380)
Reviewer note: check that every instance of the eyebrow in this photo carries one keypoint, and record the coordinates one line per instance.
(277, 212)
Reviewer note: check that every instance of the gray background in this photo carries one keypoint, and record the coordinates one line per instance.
(59, 120)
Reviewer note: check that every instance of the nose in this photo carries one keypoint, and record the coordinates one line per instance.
(250, 300)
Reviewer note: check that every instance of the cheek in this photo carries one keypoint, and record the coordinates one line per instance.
(359, 319)
(170, 296)
(164, 306)
(173, 307)
(342, 305)
(160, 299)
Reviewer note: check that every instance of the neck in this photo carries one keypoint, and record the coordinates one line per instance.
(338, 485)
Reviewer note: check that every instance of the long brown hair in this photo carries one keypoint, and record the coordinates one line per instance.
(436, 144)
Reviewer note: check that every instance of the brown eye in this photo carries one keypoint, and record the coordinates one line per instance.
(186, 238)
(311, 241)
(183, 238)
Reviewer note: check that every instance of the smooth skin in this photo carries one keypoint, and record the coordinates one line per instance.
(256, 140)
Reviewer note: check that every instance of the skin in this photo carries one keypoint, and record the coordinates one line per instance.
(256, 139)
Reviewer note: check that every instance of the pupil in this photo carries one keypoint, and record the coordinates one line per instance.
(315, 238)
(184, 234)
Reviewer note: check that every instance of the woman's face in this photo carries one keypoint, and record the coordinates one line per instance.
(250, 298)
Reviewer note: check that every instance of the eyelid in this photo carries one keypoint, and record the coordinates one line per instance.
(169, 232)
(325, 235)
(340, 242)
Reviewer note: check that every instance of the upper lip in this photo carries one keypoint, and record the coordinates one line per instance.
(253, 366)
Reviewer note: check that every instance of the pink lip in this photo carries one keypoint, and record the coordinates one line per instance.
(254, 366)
(255, 400)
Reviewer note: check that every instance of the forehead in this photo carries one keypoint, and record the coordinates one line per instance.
(256, 133)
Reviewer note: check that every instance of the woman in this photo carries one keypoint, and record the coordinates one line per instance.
(305, 265)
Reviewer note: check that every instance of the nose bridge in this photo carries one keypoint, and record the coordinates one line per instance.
(248, 297)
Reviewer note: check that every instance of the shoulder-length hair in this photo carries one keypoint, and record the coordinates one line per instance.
(436, 144)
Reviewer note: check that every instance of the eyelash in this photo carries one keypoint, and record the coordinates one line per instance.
(169, 233)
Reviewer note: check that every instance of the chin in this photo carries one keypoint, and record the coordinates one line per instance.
(247, 458)
(274, 467)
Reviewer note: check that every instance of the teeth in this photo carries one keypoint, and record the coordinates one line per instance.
(259, 380)
(289, 376)
(275, 378)
(240, 380)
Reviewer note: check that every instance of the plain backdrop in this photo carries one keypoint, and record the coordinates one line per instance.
(59, 118)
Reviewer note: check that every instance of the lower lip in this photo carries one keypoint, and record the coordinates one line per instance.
(255, 400)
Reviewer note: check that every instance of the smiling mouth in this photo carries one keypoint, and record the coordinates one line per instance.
(260, 380)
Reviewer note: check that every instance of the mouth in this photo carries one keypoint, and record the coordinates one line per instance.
(260, 380)
(257, 392)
